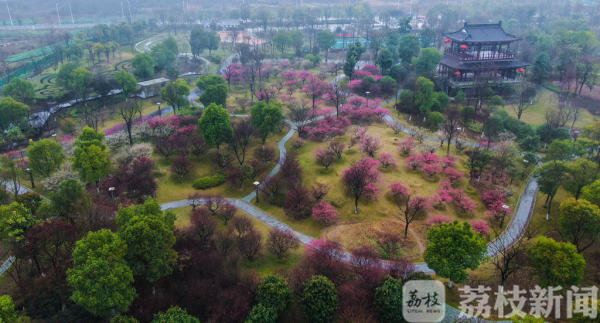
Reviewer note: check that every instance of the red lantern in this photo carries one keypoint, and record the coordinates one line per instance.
(521, 70)
(447, 41)
(457, 73)
(464, 47)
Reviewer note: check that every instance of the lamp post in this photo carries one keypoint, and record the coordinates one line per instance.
(367, 96)
(112, 190)
(71, 10)
(505, 207)
(58, 14)
(54, 136)
(159, 112)
(256, 184)
(31, 177)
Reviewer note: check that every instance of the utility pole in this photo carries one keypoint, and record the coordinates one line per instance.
(9, 16)
(122, 11)
(58, 14)
(71, 10)
(130, 17)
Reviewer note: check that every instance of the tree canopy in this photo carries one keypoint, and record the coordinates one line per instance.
(148, 232)
(100, 277)
(453, 248)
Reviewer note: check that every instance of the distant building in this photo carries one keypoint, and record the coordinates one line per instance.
(221, 24)
(479, 53)
(148, 89)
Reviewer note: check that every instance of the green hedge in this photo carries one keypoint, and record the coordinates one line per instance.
(209, 181)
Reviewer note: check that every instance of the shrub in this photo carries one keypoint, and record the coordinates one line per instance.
(319, 300)
(325, 212)
(407, 145)
(209, 181)
(68, 126)
(481, 227)
(273, 292)
(439, 219)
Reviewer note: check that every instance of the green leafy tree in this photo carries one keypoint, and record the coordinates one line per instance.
(408, 48)
(148, 231)
(215, 94)
(453, 248)
(319, 300)
(198, 41)
(163, 57)
(81, 82)
(265, 117)
(556, 263)
(45, 156)
(8, 314)
(63, 77)
(15, 221)
(175, 93)
(215, 125)
(127, 82)
(211, 79)
(171, 44)
(550, 177)
(262, 314)
(213, 42)
(579, 223)
(88, 137)
(541, 68)
(580, 173)
(424, 99)
(100, 277)
(92, 163)
(123, 319)
(528, 319)
(591, 193)
(175, 315)
(64, 199)
(427, 61)
(19, 89)
(385, 60)
(435, 120)
(13, 114)
(282, 39)
(388, 300)
(325, 41)
(273, 292)
(143, 66)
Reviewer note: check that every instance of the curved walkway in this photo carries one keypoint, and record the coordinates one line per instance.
(511, 234)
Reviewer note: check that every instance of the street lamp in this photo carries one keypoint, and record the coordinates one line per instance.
(367, 96)
(54, 136)
(31, 177)
(159, 112)
(256, 184)
(58, 14)
(505, 207)
(111, 190)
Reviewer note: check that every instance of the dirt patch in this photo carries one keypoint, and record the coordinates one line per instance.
(352, 235)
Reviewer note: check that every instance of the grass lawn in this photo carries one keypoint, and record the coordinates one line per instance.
(173, 188)
(263, 265)
(355, 229)
(535, 115)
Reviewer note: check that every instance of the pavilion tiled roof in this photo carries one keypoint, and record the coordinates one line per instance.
(482, 33)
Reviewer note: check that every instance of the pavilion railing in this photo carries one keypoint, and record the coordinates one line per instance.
(478, 56)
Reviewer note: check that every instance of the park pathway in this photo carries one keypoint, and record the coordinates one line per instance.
(512, 233)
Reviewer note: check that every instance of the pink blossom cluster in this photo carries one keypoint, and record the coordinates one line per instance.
(329, 127)
(325, 212)
(439, 219)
